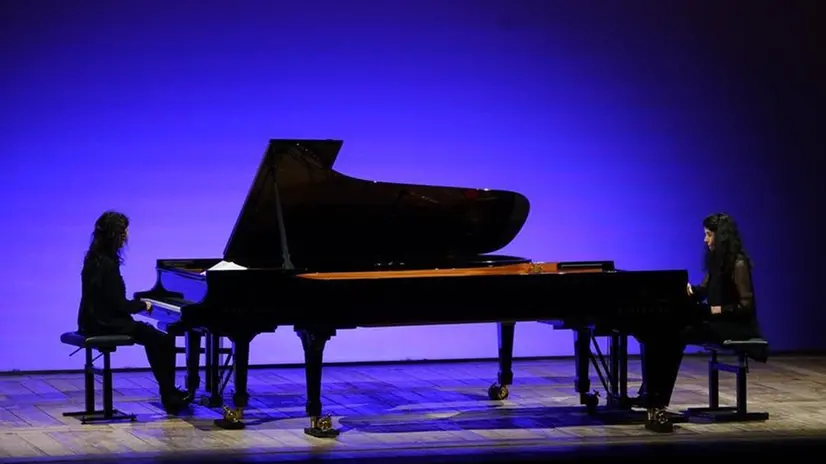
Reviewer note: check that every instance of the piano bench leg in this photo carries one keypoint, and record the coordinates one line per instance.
(100, 416)
(714, 413)
(90, 415)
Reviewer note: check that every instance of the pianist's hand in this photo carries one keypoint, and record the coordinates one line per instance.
(688, 289)
(148, 306)
(716, 310)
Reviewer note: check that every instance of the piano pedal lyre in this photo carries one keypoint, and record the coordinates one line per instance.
(321, 427)
(232, 419)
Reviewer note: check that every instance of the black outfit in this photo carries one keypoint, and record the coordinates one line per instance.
(662, 351)
(105, 310)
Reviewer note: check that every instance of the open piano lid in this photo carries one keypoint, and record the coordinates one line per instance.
(333, 222)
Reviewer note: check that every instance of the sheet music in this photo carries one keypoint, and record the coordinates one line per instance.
(225, 266)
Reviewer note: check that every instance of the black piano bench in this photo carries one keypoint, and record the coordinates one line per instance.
(714, 413)
(105, 345)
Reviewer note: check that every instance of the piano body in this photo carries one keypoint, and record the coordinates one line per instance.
(324, 252)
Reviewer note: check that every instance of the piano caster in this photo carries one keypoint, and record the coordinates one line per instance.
(659, 421)
(231, 419)
(321, 427)
(590, 401)
(498, 392)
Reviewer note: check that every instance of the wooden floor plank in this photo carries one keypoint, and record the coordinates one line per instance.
(390, 407)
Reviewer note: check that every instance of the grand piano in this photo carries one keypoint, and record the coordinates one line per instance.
(320, 251)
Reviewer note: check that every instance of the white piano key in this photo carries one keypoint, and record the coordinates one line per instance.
(161, 304)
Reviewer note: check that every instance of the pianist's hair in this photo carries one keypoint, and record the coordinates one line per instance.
(728, 245)
(109, 237)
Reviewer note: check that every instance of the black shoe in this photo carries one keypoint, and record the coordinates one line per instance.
(175, 401)
(636, 401)
(185, 396)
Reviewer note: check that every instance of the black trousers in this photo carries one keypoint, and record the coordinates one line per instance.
(661, 359)
(160, 352)
(662, 353)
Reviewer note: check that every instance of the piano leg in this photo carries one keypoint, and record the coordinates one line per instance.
(241, 356)
(499, 390)
(618, 354)
(193, 361)
(582, 368)
(313, 342)
(213, 370)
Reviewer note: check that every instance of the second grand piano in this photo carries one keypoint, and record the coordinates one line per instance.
(320, 251)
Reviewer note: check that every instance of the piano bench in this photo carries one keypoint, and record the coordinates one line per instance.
(714, 413)
(105, 345)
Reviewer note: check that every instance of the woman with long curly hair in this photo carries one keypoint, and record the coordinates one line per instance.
(727, 285)
(105, 309)
(730, 314)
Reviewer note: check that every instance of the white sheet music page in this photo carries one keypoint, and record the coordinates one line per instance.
(225, 266)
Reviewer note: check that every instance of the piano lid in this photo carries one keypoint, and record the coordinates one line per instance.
(336, 222)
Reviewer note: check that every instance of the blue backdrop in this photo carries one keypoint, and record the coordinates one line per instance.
(622, 122)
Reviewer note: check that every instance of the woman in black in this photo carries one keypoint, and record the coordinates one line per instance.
(730, 313)
(727, 285)
(104, 308)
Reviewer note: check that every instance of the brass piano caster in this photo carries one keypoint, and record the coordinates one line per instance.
(232, 419)
(321, 427)
(659, 421)
(498, 392)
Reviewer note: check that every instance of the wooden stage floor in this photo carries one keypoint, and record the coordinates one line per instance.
(434, 412)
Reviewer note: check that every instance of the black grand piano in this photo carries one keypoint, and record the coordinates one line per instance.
(319, 251)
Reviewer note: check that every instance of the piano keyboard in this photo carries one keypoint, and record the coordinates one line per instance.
(165, 305)
(165, 313)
